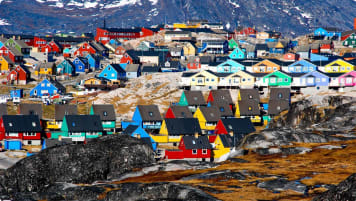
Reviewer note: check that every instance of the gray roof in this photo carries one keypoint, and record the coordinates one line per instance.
(183, 126)
(21, 123)
(304, 48)
(31, 109)
(202, 142)
(84, 123)
(149, 113)
(61, 110)
(106, 112)
(226, 140)
(238, 125)
(277, 106)
(249, 108)
(3, 109)
(22, 44)
(15, 51)
(47, 65)
(277, 93)
(222, 95)
(56, 142)
(211, 114)
(129, 130)
(247, 94)
(181, 111)
(224, 108)
(194, 98)
(8, 60)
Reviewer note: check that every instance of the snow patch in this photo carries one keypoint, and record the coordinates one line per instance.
(122, 3)
(234, 4)
(90, 4)
(4, 22)
(306, 15)
(153, 2)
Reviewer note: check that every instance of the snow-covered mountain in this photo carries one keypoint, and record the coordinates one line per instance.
(288, 16)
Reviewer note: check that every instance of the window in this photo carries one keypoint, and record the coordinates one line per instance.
(194, 151)
(280, 79)
(150, 114)
(250, 96)
(286, 79)
(105, 75)
(278, 108)
(48, 84)
(222, 109)
(273, 80)
(34, 124)
(42, 84)
(212, 80)
(207, 79)
(10, 124)
(280, 95)
(112, 74)
(249, 108)
(205, 151)
(73, 124)
(105, 113)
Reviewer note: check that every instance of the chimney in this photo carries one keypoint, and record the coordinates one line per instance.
(355, 23)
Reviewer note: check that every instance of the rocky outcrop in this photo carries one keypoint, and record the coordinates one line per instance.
(345, 191)
(101, 159)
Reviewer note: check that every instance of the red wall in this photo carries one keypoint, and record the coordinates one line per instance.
(220, 128)
(193, 66)
(125, 59)
(169, 114)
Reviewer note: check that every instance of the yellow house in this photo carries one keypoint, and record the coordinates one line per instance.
(222, 147)
(204, 78)
(182, 25)
(46, 69)
(249, 109)
(339, 66)
(97, 81)
(5, 64)
(189, 49)
(262, 35)
(246, 79)
(266, 66)
(173, 129)
(208, 117)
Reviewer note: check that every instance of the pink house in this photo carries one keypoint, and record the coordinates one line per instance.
(348, 79)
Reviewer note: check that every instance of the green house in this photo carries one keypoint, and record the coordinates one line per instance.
(233, 44)
(19, 45)
(107, 116)
(192, 99)
(277, 78)
(350, 41)
(80, 128)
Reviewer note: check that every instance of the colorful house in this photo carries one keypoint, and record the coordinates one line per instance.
(19, 45)
(81, 65)
(173, 130)
(107, 117)
(140, 133)
(208, 117)
(301, 66)
(47, 87)
(177, 111)
(313, 79)
(277, 78)
(19, 75)
(49, 68)
(238, 53)
(350, 41)
(30, 109)
(93, 61)
(79, 128)
(205, 79)
(230, 66)
(133, 70)
(147, 116)
(240, 79)
(233, 44)
(248, 94)
(265, 66)
(26, 128)
(5, 64)
(192, 148)
(220, 96)
(193, 63)
(239, 127)
(189, 49)
(222, 146)
(249, 109)
(60, 110)
(66, 67)
(339, 66)
(130, 57)
(348, 79)
(113, 72)
(328, 32)
(192, 99)
(100, 83)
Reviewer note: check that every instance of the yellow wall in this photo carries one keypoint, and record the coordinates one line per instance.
(207, 79)
(164, 137)
(44, 72)
(182, 25)
(4, 66)
(189, 50)
(237, 111)
(343, 68)
(202, 121)
(242, 74)
(220, 150)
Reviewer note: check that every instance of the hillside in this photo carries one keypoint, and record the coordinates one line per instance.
(290, 17)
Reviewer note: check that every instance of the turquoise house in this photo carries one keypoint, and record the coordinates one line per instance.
(238, 53)
(230, 66)
(66, 67)
(107, 116)
(79, 128)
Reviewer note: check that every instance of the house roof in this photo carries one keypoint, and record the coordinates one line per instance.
(22, 44)
(227, 140)
(333, 75)
(129, 130)
(58, 85)
(206, 59)
(7, 59)
(277, 106)
(61, 110)
(105, 111)
(149, 113)
(303, 48)
(222, 95)
(15, 51)
(331, 29)
(31, 109)
(132, 67)
(249, 107)
(84, 123)
(211, 114)
(194, 97)
(46, 65)
(98, 46)
(277, 93)
(181, 111)
(250, 94)
(183, 126)
(21, 123)
(238, 125)
(56, 142)
(117, 68)
(261, 47)
(150, 69)
(188, 74)
(224, 108)
(191, 142)
(3, 109)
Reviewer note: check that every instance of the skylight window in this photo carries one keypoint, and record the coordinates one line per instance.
(10, 124)
(73, 124)
(105, 113)
(151, 114)
(229, 126)
(34, 124)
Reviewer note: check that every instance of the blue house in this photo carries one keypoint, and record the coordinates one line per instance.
(327, 32)
(46, 87)
(314, 79)
(147, 116)
(113, 72)
(81, 64)
(318, 57)
(93, 61)
(238, 53)
(140, 133)
(302, 66)
(230, 66)
(66, 67)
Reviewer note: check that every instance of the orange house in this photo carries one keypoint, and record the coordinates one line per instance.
(266, 66)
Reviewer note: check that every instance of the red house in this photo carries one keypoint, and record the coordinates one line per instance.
(39, 42)
(52, 46)
(130, 57)
(246, 31)
(26, 128)
(19, 75)
(291, 57)
(120, 50)
(84, 50)
(175, 111)
(191, 147)
(104, 35)
(239, 126)
(194, 63)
